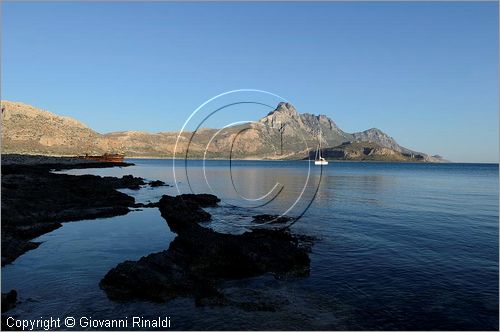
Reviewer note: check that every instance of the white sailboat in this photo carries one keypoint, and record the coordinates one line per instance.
(318, 159)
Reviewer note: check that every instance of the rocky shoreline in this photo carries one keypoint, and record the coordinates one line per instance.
(199, 258)
(35, 201)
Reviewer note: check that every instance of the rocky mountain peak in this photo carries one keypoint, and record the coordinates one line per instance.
(285, 114)
(375, 131)
(319, 121)
(377, 135)
(285, 108)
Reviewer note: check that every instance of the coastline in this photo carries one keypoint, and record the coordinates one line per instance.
(36, 201)
(92, 164)
(310, 160)
(71, 159)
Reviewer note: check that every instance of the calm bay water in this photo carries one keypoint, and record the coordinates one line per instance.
(400, 246)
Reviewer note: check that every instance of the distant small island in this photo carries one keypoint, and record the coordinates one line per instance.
(278, 136)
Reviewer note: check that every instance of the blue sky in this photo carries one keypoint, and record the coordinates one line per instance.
(425, 73)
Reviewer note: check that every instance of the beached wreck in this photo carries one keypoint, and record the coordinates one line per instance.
(107, 157)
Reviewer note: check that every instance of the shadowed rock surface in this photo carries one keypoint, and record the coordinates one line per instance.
(199, 257)
(157, 183)
(36, 201)
(9, 300)
(55, 163)
(271, 218)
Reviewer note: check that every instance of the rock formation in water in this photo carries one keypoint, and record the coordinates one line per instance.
(198, 258)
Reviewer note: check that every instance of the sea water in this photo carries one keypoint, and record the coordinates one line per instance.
(398, 246)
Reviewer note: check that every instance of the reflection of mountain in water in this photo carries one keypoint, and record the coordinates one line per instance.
(276, 187)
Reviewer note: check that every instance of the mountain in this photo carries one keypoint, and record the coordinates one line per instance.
(365, 151)
(312, 127)
(26, 129)
(283, 134)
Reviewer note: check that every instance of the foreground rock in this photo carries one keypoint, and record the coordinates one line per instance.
(57, 163)
(185, 211)
(199, 257)
(36, 201)
(271, 219)
(157, 183)
(9, 300)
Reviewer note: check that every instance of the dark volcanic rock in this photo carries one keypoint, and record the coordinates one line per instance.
(199, 257)
(182, 212)
(9, 300)
(157, 183)
(13, 247)
(203, 200)
(147, 205)
(270, 218)
(128, 181)
(36, 201)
